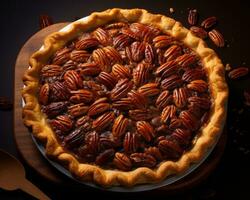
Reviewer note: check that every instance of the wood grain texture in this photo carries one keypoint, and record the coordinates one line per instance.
(35, 160)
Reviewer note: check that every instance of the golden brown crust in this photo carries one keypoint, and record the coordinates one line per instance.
(34, 118)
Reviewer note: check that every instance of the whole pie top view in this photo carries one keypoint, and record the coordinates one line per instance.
(125, 97)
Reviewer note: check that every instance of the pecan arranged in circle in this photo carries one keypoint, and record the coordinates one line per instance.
(127, 95)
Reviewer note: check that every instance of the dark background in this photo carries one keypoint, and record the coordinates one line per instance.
(19, 21)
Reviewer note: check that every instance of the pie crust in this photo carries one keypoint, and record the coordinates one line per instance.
(208, 134)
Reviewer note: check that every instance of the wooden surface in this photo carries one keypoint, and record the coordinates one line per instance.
(35, 160)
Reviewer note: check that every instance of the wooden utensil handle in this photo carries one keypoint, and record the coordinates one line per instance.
(34, 191)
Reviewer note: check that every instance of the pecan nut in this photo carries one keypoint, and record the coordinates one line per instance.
(78, 110)
(180, 96)
(140, 74)
(98, 107)
(138, 100)
(171, 82)
(238, 72)
(162, 41)
(172, 52)
(121, 89)
(120, 126)
(89, 69)
(107, 79)
(145, 130)
(44, 94)
(193, 17)
(149, 89)
(209, 22)
(121, 71)
(168, 113)
(51, 70)
(217, 38)
(62, 123)
(55, 108)
(164, 99)
(73, 80)
(103, 121)
(61, 56)
(81, 95)
(199, 32)
(105, 157)
(198, 85)
(143, 160)
(86, 43)
(170, 149)
(130, 142)
(122, 162)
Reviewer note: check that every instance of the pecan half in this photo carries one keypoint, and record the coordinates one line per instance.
(149, 54)
(98, 107)
(129, 33)
(238, 72)
(44, 94)
(116, 25)
(193, 74)
(44, 21)
(55, 108)
(192, 17)
(103, 121)
(102, 36)
(186, 60)
(51, 70)
(209, 22)
(86, 43)
(92, 142)
(170, 149)
(105, 157)
(107, 79)
(107, 141)
(121, 89)
(137, 51)
(180, 96)
(75, 138)
(168, 113)
(172, 52)
(189, 120)
(78, 110)
(198, 85)
(79, 55)
(217, 38)
(130, 142)
(122, 41)
(122, 162)
(162, 41)
(120, 126)
(163, 99)
(58, 91)
(145, 130)
(171, 82)
(123, 104)
(199, 32)
(155, 152)
(149, 89)
(81, 95)
(182, 136)
(140, 74)
(200, 102)
(121, 71)
(62, 123)
(61, 56)
(175, 123)
(167, 69)
(143, 160)
(84, 122)
(72, 80)
(89, 69)
(138, 100)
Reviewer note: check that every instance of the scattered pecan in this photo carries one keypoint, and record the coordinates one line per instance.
(217, 38)
(238, 72)
(45, 21)
(209, 22)
(193, 17)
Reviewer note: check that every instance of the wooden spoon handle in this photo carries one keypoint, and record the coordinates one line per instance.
(34, 191)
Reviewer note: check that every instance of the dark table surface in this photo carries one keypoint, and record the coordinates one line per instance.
(19, 21)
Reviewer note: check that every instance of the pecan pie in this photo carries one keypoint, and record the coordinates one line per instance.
(125, 97)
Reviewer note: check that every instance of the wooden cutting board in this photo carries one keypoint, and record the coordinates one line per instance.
(35, 160)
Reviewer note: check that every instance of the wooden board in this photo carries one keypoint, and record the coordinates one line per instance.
(35, 160)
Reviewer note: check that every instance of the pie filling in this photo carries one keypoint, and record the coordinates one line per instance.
(125, 96)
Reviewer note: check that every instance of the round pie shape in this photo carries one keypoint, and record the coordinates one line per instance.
(146, 169)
